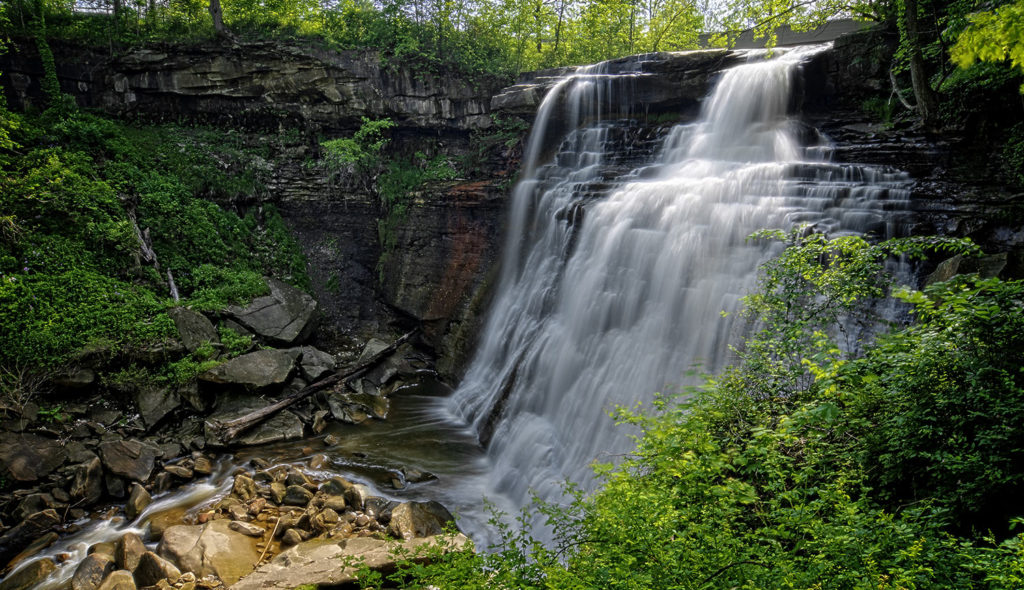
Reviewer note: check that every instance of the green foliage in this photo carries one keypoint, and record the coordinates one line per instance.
(79, 193)
(808, 465)
(359, 155)
(993, 36)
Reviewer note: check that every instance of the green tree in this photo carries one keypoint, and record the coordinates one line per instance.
(993, 36)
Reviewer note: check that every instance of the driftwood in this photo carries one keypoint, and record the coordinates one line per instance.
(228, 430)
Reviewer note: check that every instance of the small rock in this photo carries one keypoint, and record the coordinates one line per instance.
(239, 512)
(91, 572)
(203, 466)
(178, 471)
(152, 568)
(296, 495)
(291, 537)
(330, 440)
(138, 500)
(278, 492)
(335, 486)
(60, 495)
(102, 548)
(247, 529)
(356, 495)
(244, 488)
(336, 503)
(297, 478)
(257, 505)
(162, 482)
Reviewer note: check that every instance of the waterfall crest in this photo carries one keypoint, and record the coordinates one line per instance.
(615, 272)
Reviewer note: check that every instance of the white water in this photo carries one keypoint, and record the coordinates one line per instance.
(608, 311)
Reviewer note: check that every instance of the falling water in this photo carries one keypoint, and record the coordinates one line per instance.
(607, 299)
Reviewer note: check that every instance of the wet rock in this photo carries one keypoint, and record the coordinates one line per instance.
(318, 461)
(336, 503)
(91, 572)
(317, 562)
(118, 580)
(356, 495)
(284, 317)
(16, 538)
(277, 492)
(315, 363)
(297, 496)
(29, 576)
(257, 370)
(297, 478)
(138, 500)
(33, 503)
(128, 551)
(213, 548)
(335, 486)
(249, 530)
(152, 568)
(162, 482)
(35, 547)
(291, 537)
(281, 427)
(131, 459)
(330, 440)
(194, 328)
(413, 475)
(102, 548)
(202, 466)
(155, 403)
(375, 506)
(411, 520)
(179, 471)
(27, 457)
(87, 484)
(244, 487)
(239, 512)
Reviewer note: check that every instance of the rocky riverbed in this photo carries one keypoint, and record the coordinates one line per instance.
(124, 485)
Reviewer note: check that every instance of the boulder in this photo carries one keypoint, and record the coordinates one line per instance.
(87, 484)
(211, 548)
(91, 572)
(244, 487)
(35, 547)
(131, 459)
(29, 576)
(314, 363)
(128, 551)
(297, 496)
(318, 562)
(412, 520)
(152, 568)
(154, 403)
(257, 370)
(118, 580)
(138, 500)
(284, 317)
(27, 457)
(193, 327)
(33, 503)
(282, 426)
(15, 539)
(357, 495)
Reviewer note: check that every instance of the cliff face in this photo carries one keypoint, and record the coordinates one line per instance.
(445, 249)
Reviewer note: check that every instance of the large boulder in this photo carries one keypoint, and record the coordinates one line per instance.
(410, 520)
(152, 568)
(284, 317)
(319, 561)
(194, 328)
(257, 370)
(27, 457)
(282, 426)
(29, 576)
(119, 580)
(16, 538)
(130, 459)
(128, 550)
(212, 548)
(92, 571)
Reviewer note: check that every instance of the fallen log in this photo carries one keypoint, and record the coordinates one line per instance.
(228, 430)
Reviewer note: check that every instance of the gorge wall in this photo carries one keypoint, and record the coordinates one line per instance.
(442, 261)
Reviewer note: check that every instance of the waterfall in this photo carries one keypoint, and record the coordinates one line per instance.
(616, 273)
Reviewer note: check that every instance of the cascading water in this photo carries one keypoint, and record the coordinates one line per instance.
(605, 300)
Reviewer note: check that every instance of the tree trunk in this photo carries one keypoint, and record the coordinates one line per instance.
(218, 18)
(927, 102)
